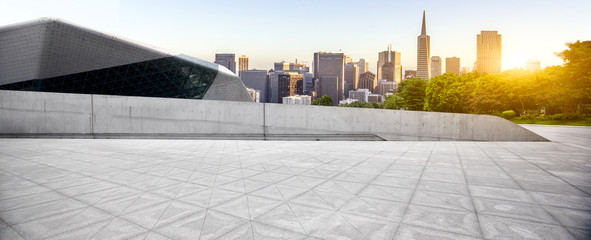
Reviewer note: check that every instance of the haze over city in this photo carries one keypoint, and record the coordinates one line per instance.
(271, 31)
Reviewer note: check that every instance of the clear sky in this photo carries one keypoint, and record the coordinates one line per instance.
(271, 31)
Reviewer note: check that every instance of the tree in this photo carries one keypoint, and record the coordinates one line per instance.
(323, 101)
(448, 93)
(358, 104)
(412, 92)
(577, 71)
(489, 95)
(394, 102)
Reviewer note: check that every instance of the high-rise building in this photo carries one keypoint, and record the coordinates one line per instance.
(368, 80)
(351, 76)
(386, 87)
(488, 52)
(289, 84)
(388, 72)
(393, 57)
(375, 98)
(242, 64)
(363, 66)
(435, 66)
(424, 52)
(452, 65)
(281, 66)
(257, 80)
(329, 71)
(255, 94)
(359, 94)
(297, 100)
(532, 65)
(410, 74)
(227, 60)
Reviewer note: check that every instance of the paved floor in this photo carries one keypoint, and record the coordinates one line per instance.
(188, 189)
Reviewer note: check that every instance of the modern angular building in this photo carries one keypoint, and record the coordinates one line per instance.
(51, 55)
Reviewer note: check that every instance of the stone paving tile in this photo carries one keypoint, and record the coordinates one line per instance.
(199, 189)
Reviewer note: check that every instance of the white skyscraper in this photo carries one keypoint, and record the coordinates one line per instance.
(424, 52)
(435, 66)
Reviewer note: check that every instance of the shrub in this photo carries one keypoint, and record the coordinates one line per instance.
(558, 116)
(572, 116)
(510, 114)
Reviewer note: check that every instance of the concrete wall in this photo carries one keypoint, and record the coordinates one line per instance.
(37, 113)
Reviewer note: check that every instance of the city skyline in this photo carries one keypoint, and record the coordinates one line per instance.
(453, 29)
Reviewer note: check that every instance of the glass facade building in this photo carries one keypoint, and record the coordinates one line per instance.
(51, 55)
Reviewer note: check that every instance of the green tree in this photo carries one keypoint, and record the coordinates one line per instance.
(489, 94)
(323, 101)
(412, 92)
(577, 71)
(358, 104)
(448, 93)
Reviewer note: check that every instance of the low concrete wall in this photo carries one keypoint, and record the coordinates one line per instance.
(58, 114)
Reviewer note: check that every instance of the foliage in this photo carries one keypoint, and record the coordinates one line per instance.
(412, 93)
(394, 102)
(448, 93)
(510, 114)
(323, 101)
(577, 74)
(359, 104)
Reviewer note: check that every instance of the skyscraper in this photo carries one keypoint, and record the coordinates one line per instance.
(257, 80)
(452, 65)
(363, 65)
(351, 77)
(424, 52)
(393, 57)
(227, 60)
(242, 64)
(488, 52)
(368, 80)
(329, 70)
(435, 66)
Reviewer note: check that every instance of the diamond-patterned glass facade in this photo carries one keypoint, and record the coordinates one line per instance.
(169, 77)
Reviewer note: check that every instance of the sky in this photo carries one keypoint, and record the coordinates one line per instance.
(273, 31)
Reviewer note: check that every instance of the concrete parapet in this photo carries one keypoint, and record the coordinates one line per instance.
(39, 114)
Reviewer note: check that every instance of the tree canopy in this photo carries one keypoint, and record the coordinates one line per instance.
(323, 101)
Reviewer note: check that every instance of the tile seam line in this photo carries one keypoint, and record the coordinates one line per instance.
(469, 191)
(546, 171)
(522, 189)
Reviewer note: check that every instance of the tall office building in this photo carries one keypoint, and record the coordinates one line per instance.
(424, 52)
(281, 66)
(368, 80)
(452, 65)
(388, 72)
(242, 64)
(435, 66)
(393, 57)
(532, 65)
(410, 74)
(488, 52)
(351, 76)
(329, 72)
(227, 60)
(289, 84)
(363, 65)
(257, 80)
